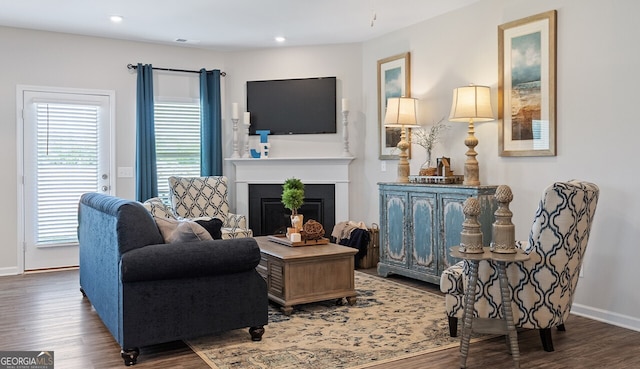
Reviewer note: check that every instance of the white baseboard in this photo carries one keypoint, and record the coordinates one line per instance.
(605, 316)
(9, 271)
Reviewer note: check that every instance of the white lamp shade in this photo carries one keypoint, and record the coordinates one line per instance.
(401, 111)
(471, 102)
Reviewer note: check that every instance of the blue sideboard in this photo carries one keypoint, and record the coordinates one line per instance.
(420, 222)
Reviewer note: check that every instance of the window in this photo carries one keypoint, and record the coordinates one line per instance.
(177, 129)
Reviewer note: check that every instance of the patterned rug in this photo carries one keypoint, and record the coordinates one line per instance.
(389, 321)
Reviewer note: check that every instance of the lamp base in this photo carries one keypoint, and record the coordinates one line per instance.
(471, 169)
(403, 171)
(471, 174)
(403, 164)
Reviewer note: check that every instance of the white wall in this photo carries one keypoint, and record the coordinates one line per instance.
(597, 79)
(341, 61)
(61, 60)
(597, 73)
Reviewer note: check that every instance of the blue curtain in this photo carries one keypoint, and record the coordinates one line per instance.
(210, 124)
(146, 171)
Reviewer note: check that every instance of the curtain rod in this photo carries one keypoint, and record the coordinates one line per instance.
(131, 66)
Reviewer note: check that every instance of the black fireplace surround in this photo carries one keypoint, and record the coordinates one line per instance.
(267, 215)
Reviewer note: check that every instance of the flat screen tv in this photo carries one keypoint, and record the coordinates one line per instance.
(293, 106)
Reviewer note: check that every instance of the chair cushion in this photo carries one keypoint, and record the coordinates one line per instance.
(174, 230)
(451, 279)
(197, 197)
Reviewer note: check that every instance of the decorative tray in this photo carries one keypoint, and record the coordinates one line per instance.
(437, 179)
(283, 240)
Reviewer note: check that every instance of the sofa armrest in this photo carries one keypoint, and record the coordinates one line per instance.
(235, 221)
(189, 259)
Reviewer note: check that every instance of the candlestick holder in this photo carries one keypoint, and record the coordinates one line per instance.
(235, 154)
(246, 153)
(345, 133)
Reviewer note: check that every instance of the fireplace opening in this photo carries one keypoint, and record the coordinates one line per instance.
(267, 215)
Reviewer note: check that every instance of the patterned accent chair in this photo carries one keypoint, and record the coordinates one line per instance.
(543, 287)
(206, 197)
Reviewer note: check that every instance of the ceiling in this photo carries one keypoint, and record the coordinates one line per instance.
(226, 24)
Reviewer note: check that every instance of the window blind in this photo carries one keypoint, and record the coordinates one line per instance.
(67, 167)
(177, 129)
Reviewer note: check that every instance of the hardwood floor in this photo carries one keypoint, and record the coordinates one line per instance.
(46, 311)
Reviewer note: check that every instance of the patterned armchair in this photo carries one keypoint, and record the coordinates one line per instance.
(198, 197)
(543, 287)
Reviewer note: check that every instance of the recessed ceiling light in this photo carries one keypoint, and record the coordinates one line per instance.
(116, 18)
(280, 39)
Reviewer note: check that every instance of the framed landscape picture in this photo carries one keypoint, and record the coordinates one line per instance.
(527, 86)
(393, 81)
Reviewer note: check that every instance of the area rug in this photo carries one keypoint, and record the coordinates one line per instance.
(389, 321)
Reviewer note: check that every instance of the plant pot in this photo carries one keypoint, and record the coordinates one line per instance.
(297, 222)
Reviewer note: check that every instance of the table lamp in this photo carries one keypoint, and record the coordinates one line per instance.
(401, 112)
(471, 103)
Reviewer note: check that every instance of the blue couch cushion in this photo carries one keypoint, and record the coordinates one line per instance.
(189, 259)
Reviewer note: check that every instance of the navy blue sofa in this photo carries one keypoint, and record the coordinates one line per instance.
(147, 292)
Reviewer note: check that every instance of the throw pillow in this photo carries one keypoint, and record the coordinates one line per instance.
(213, 226)
(174, 230)
(158, 208)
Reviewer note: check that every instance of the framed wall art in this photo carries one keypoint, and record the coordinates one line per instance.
(393, 81)
(527, 86)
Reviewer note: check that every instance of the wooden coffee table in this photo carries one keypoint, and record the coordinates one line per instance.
(304, 274)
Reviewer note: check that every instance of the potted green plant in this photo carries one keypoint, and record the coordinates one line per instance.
(292, 199)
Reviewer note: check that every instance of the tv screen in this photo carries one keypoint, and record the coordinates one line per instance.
(293, 106)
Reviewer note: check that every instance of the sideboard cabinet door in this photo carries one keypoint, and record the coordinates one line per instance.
(422, 230)
(420, 222)
(395, 220)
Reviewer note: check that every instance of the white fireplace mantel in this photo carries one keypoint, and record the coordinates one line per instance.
(310, 170)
